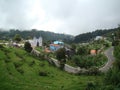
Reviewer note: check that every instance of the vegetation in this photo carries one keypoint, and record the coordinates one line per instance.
(88, 61)
(86, 37)
(60, 55)
(17, 38)
(27, 72)
(28, 34)
(27, 47)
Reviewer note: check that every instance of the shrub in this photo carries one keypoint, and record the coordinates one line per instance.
(90, 86)
(60, 55)
(17, 64)
(7, 60)
(1, 46)
(42, 64)
(43, 73)
(93, 71)
(28, 47)
(32, 63)
(20, 70)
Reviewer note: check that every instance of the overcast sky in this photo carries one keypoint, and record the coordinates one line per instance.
(61, 16)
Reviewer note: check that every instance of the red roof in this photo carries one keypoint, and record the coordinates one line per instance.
(54, 45)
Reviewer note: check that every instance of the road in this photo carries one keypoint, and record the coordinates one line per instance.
(108, 65)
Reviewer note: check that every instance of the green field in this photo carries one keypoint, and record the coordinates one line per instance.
(22, 71)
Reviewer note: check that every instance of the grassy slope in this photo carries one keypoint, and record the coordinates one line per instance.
(12, 79)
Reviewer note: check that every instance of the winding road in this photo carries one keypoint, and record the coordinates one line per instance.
(70, 69)
(108, 65)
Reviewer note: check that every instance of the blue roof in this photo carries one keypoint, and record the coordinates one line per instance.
(58, 42)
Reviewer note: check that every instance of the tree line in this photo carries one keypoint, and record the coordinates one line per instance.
(86, 37)
(28, 34)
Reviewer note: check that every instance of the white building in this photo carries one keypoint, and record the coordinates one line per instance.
(98, 38)
(36, 41)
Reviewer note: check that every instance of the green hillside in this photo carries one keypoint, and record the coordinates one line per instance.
(86, 37)
(22, 71)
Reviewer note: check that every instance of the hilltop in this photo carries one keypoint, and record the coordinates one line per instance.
(86, 37)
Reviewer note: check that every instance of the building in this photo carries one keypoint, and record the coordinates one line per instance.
(56, 45)
(36, 42)
(93, 52)
(58, 42)
(98, 38)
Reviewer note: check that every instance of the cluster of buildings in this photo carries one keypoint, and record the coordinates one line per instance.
(54, 46)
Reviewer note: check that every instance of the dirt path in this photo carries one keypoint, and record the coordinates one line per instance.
(109, 54)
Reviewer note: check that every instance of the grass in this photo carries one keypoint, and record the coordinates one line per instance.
(22, 73)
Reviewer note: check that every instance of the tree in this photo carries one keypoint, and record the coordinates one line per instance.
(27, 47)
(82, 50)
(17, 38)
(60, 55)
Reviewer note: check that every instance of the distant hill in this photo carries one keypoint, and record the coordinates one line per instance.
(86, 37)
(35, 33)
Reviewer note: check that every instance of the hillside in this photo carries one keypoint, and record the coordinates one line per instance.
(85, 37)
(25, 34)
(22, 71)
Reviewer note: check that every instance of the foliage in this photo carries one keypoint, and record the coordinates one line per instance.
(17, 38)
(20, 70)
(43, 73)
(83, 50)
(32, 33)
(85, 37)
(90, 86)
(60, 55)
(88, 61)
(27, 47)
(1, 46)
(93, 71)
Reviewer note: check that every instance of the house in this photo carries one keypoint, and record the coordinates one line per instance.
(93, 52)
(36, 42)
(98, 37)
(56, 45)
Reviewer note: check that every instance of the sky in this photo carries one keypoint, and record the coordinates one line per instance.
(61, 16)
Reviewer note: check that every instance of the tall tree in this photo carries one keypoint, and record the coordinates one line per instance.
(60, 55)
(17, 38)
(27, 47)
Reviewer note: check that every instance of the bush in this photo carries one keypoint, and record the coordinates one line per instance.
(93, 71)
(1, 46)
(20, 70)
(28, 47)
(90, 86)
(60, 55)
(7, 60)
(43, 73)
(17, 64)
(88, 61)
(32, 63)
(42, 64)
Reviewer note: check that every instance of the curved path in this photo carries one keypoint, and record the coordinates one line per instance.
(108, 65)
(70, 69)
